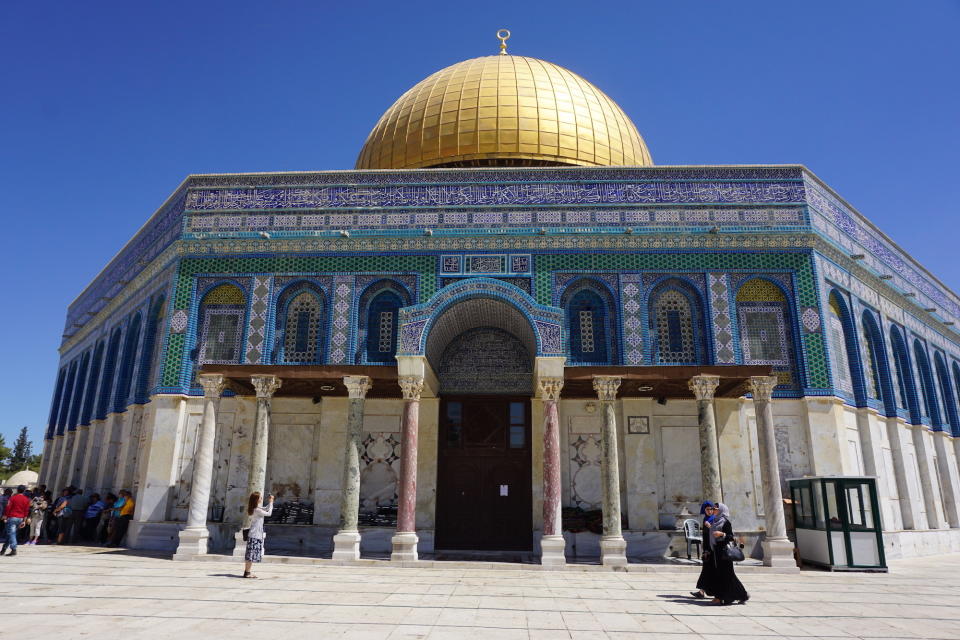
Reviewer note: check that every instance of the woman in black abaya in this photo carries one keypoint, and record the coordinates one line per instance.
(727, 588)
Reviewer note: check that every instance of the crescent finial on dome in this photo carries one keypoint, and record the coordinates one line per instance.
(503, 35)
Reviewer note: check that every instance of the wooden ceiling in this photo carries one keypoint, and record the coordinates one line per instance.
(636, 382)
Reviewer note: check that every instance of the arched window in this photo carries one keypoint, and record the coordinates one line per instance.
(838, 321)
(67, 398)
(381, 326)
(151, 347)
(91, 395)
(766, 334)
(929, 395)
(78, 392)
(301, 312)
(125, 378)
(55, 405)
(906, 391)
(221, 325)
(946, 393)
(956, 386)
(109, 369)
(676, 324)
(874, 364)
(589, 322)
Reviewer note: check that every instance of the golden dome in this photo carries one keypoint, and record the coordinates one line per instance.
(503, 110)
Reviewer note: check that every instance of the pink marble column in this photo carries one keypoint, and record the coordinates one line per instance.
(552, 545)
(405, 540)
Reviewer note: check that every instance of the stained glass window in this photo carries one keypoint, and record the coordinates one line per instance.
(871, 368)
(381, 325)
(302, 330)
(676, 337)
(221, 325)
(841, 361)
(901, 368)
(764, 321)
(587, 323)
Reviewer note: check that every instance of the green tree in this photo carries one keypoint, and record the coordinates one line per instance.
(4, 453)
(19, 458)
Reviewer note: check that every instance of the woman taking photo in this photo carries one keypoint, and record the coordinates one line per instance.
(726, 587)
(255, 534)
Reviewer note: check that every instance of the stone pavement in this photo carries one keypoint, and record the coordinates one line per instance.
(77, 592)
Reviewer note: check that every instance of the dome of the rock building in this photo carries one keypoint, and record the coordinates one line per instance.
(503, 110)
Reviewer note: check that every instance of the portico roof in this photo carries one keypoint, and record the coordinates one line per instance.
(665, 381)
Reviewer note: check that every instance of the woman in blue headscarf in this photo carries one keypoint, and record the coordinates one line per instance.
(708, 569)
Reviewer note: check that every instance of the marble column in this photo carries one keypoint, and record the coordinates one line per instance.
(405, 539)
(346, 544)
(703, 387)
(265, 387)
(613, 548)
(194, 538)
(552, 545)
(777, 548)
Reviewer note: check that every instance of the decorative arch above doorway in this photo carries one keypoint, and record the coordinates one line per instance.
(425, 326)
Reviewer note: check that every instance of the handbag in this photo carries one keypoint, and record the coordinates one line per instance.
(246, 534)
(734, 552)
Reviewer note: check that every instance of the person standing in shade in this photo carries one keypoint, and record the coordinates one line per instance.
(708, 570)
(92, 517)
(78, 508)
(727, 588)
(61, 513)
(38, 513)
(15, 517)
(256, 534)
(125, 515)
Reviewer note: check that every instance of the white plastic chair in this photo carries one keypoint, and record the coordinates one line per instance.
(691, 532)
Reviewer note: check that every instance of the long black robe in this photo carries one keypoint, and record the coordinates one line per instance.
(724, 582)
(708, 570)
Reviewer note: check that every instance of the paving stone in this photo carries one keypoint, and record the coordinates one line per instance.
(72, 592)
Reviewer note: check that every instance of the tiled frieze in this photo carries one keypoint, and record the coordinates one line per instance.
(520, 193)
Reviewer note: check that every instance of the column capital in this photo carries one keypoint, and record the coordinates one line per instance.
(762, 386)
(704, 386)
(411, 387)
(550, 387)
(357, 386)
(265, 386)
(213, 384)
(606, 387)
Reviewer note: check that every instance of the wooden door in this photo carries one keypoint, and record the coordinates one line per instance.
(484, 497)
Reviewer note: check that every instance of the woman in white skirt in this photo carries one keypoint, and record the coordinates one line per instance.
(255, 534)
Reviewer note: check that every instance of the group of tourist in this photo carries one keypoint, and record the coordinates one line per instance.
(69, 518)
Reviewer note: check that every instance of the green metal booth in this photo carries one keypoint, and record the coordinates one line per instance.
(837, 521)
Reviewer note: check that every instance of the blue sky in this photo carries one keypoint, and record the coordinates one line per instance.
(106, 106)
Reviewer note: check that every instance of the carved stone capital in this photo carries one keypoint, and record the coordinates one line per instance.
(213, 384)
(411, 387)
(357, 386)
(704, 386)
(550, 388)
(606, 387)
(762, 386)
(265, 386)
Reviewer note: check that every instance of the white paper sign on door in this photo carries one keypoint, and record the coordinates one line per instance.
(504, 489)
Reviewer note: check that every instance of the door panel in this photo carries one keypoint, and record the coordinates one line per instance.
(483, 491)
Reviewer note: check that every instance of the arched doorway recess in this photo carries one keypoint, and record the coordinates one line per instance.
(482, 344)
